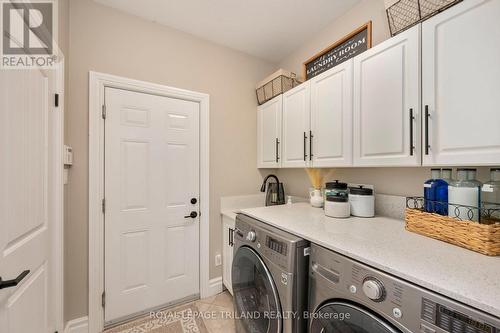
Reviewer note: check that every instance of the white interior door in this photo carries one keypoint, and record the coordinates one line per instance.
(151, 184)
(269, 133)
(331, 117)
(25, 225)
(461, 81)
(296, 119)
(386, 94)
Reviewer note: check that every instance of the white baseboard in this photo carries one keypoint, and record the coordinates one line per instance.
(215, 286)
(78, 325)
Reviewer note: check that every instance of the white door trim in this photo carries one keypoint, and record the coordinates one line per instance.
(97, 83)
(56, 117)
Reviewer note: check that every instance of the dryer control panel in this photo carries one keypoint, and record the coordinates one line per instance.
(407, 306)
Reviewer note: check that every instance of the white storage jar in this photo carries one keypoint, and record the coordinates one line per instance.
(337, 206)
(362, 201)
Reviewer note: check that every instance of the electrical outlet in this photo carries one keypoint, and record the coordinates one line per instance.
(218, 260)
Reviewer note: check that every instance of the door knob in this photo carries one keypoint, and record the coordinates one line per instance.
(192, 215)
(15, 282)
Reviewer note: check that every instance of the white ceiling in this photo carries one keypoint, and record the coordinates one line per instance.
(268, 29)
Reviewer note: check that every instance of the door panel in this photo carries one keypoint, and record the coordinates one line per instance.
(459, 84)
(25, 226)
(296, 118)
(386, 88)
(151, 174)
(331, 117)
(269, 133)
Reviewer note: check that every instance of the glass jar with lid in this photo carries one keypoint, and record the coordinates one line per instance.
(491, 194)
(464, 196)
(336, 189)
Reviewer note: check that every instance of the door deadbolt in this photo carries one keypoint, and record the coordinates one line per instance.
(194, 201)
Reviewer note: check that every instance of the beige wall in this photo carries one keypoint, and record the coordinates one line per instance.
(366, 10)
(396, 181)
(106, 40)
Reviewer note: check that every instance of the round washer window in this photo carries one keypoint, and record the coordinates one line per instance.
(256, 300)
(339, 317)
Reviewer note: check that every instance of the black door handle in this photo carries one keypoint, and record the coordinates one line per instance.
(277, 149)
(15, 282)
(412, 118)
(305, 139)
(427, 116)
(192, 215)
(231, 237)
(311, 145)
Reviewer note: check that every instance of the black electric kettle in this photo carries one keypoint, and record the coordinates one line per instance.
(275, 192)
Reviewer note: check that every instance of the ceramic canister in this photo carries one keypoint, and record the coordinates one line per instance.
(362, 201)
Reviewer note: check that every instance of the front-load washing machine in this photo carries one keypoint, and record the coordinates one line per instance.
(269, 278)
(349, 297)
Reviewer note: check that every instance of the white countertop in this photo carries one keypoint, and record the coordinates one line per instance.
(383, 243)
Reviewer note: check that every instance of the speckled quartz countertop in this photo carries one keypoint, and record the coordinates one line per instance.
(383, 243)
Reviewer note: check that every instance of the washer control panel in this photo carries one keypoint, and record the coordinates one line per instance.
(403, 304)
(374, 289)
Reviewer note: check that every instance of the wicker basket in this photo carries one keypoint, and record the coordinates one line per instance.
(479, 237)
(403, 14)
(275, 84)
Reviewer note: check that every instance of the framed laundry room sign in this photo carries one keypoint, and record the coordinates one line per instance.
(348, 47)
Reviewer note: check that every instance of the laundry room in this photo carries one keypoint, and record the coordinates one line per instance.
(227, 166)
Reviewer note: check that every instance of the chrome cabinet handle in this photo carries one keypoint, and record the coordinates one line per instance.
(14, 282)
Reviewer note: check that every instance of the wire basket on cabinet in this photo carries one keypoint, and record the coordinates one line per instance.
(276, 84)
(456, 227)
(404, 14)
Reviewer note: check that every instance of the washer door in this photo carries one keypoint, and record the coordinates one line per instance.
(256, 299)
(339, 317)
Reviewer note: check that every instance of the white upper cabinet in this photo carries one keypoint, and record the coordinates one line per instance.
(386, 94)
(461, 84)
(269, 133)
(331, 117)
(296, 115)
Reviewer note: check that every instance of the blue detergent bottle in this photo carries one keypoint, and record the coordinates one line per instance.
(441, 196)
(434, 193)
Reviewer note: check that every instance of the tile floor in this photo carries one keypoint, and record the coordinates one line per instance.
(218, 311)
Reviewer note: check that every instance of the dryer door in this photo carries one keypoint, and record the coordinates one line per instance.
(339, 317)
(256, 299)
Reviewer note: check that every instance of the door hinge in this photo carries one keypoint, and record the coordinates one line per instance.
(56, 100)
(103, 299)
(103, 111)
(103, 203)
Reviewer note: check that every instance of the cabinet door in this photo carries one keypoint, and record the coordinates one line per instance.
(386, 95)
(331, 117)
(269, 133)
(296, 114)
(227, 252)
(461, 83)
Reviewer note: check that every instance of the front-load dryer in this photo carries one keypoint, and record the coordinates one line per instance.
(347, 296)
(269, 278)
